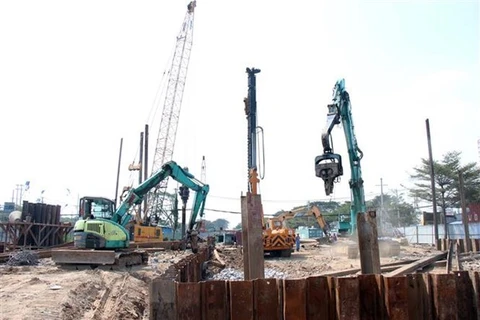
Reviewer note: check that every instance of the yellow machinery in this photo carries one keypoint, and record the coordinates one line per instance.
(147, 233)
(279, 239)
(305, 211)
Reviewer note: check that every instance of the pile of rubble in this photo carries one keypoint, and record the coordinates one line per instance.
(23, 258)
(234, 274)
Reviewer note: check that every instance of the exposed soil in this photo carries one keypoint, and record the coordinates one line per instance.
(48, 292)
(316, 259)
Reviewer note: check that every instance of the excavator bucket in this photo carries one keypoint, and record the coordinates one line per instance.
(90, 257)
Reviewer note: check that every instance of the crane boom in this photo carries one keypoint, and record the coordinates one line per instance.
(171, 113)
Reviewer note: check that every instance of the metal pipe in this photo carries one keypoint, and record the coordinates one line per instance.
(118, 170)
(145, 174)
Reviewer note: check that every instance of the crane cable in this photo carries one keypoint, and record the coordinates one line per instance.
(152, 114)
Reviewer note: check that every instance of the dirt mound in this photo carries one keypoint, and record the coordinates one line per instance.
(107, 295)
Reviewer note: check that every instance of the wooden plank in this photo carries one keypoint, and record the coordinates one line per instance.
(466, 296)
(458, 260)
(396, 297)
(215, 302)
(461, 244)
(384, 267)
(449, 257)
(294, 299)
(265, 299)
(241, 300)
(347, 296)
(417, 265)
(371, 299)
(162, 299)
(318, 297)
(188, 300)
(419, 302)
(445, 296)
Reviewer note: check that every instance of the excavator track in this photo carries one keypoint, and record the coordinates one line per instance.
(78, 259)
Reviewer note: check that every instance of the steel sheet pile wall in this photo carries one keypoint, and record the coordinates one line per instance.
(44, 214)
(415, 296)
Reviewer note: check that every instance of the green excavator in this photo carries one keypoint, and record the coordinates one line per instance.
(102, 237)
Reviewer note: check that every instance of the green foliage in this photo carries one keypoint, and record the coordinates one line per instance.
(331, 211)
(216, 225)
(447, 181)
(396, 211)
(238, 226)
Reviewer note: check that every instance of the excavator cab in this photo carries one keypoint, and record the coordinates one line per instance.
(328, 166)
(96, 207)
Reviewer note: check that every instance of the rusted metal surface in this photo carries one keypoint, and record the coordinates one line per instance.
(254, 264)
(295, 299)
(445, 297)
(266, 301)
(33, 235)
(214, 297)
(347, 298)
(396, 298)
(188, 300)
(318, 297)
(412, 267)
(372, 305)
(414, 296)
(241, 300)
(162, 300)
(466, 296)
(419, 298)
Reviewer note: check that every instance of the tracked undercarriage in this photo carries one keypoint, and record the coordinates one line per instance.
(79, 259)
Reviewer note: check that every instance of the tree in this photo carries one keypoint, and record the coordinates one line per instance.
(446, 181)
(331, 211)
(396, 211)
(238, 226)
(216, 225)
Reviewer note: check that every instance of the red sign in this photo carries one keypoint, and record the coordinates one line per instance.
(474, 212)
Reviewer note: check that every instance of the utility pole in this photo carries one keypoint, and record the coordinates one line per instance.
(464, 212)
(397, 202)
(432, 182)
(382, 211)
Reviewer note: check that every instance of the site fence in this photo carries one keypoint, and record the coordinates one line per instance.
(426, 234)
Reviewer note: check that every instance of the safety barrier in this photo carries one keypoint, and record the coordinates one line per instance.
(414, 296)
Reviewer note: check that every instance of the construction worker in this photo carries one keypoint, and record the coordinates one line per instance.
(297, 242)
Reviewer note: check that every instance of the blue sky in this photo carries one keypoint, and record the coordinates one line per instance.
(76, 77)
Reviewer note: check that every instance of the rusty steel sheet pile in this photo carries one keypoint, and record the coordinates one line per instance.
(370, 296)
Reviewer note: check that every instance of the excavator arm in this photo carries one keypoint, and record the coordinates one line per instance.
(307, 210)
(328, 166)
(170, 169)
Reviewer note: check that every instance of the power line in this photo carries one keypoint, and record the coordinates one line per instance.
(293, 200)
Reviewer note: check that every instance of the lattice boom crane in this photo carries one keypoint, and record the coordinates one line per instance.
(171, 114)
